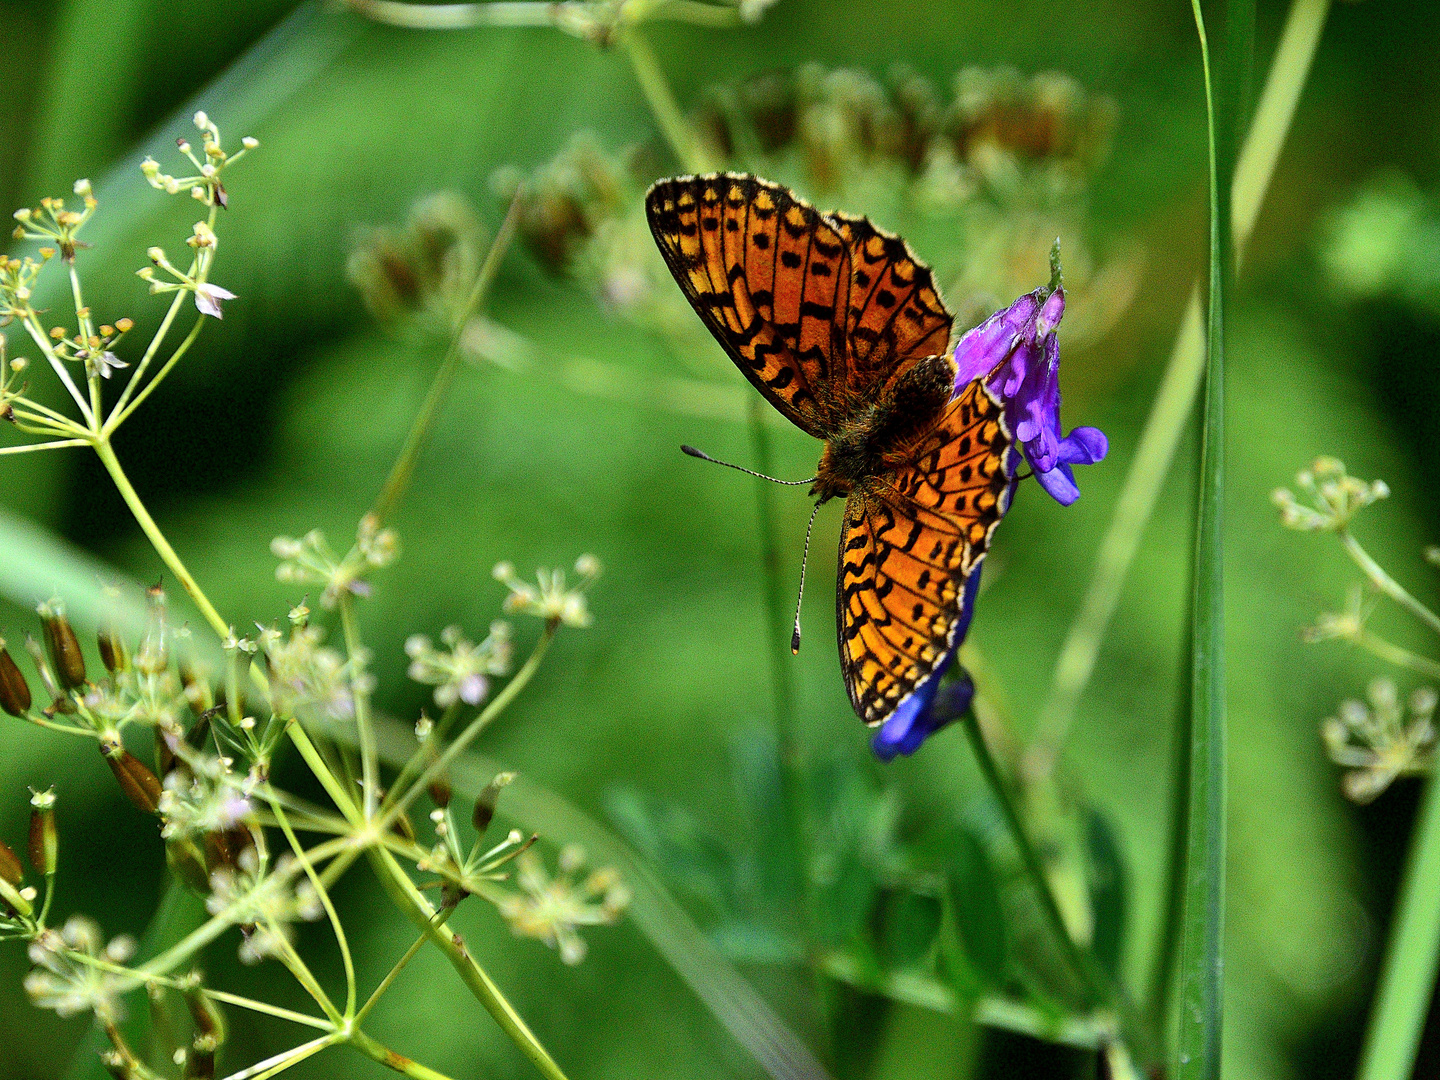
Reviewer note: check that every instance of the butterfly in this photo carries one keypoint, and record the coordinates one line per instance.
(841, 328)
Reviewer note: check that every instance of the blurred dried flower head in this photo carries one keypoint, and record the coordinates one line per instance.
(1335, 497)
(980, 184)
(428, 266)
(70, 986)
(1377, 743)
(551, 909)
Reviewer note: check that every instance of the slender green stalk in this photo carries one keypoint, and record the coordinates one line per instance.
(1160, 438)
(1407, 980)
(663, 105)
(271, 1066)
(531, 13)
(157, 538)
(303, 858)
(1093, 978)
(688, 150)
(398, 481)
(118, 415)
(389, 1058)
(369, 766)
(1201, 990)
(1385, 583)
(498, 704)
(54, 444)
(389, 979)
(420, 912)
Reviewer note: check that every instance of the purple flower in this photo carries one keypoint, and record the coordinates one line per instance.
(1018, 353)
(927, 709)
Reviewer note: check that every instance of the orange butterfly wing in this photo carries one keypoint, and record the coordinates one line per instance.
(770, 277)
(910, 541)
(896, 314)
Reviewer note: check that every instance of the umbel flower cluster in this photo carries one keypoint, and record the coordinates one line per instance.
(1386, 736)
(207, 784)
(190, 726)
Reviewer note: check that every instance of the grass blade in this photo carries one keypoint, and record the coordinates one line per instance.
(1201, 950)
(1408, 979)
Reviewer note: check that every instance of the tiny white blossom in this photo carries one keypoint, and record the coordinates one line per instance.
(208, 297)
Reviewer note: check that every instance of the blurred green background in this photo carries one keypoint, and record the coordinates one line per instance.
(289, 412)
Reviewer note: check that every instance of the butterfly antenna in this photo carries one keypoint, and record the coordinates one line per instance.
(795, 633)
(706, 457)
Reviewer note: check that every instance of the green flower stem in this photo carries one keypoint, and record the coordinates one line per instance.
(54, 444)
(1083, 965)
(531, 13)
(389, 1058)
(1385, 583)
(1160, 438)
(42, 342)
(133, 383)
(666, 109)
(311, 754)
(400, 473)
(1201, 956)
(390, 977)
(208, 931)
(369, 765)
(324, 895)
(1408, 977)
(778, 630)
(497, 705)
(1394, 654)
(265, 1007)
(157, 538)
(117, 415)
(271, 1066)
(691, 154)
(419, 910)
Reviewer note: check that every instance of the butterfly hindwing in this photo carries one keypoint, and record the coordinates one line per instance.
(770, 277)
(910, 540)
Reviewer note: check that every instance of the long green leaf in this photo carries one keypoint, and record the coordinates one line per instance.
(1408, 979)
(1201, 952)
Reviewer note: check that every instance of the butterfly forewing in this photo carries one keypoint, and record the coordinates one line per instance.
(910, 540)
(769, 276)
(895, 311)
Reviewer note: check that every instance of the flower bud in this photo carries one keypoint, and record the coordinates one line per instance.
(62, 645)
(14, 690)
(135, 778)
(113, 653)
(62, 702)
(485, 804)
(44, 837)
(205, 1014)
(440, 791)
(10, 868)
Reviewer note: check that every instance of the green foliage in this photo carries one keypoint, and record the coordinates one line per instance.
(914, 893)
